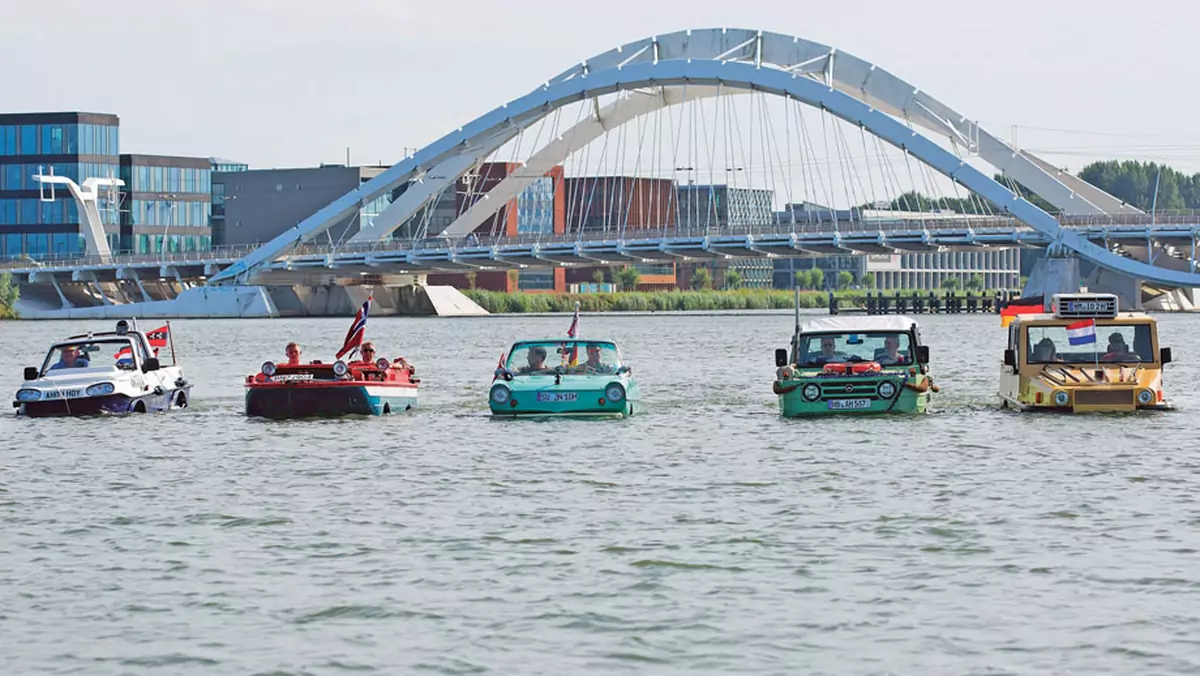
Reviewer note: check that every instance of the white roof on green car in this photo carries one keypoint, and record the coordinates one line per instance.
(859, 323)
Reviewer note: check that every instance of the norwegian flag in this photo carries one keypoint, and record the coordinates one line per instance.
(157, 338)
(354, 336)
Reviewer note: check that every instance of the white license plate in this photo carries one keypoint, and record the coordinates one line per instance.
(557, 396)
(848, 404)
(63, 394)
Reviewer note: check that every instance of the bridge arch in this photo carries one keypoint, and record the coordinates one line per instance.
(819, 77)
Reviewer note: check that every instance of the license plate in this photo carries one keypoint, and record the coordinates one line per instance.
(848, 404)
(63, 394)
(557, 396)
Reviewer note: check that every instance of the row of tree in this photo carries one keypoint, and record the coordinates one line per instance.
(1145, 185)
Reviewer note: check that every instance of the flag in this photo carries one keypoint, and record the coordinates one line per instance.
(573, 359)
(1082, 333)
(354, 336)
(157, 338)
(499, 366)
(1021, 306)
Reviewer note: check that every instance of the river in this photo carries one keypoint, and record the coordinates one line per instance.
(706, 536)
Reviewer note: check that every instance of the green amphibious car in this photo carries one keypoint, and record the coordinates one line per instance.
(863, 365)
(583, 378)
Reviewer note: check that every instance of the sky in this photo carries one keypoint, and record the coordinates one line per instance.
(278, 83)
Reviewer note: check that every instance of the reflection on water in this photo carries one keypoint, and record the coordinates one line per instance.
(707, 535)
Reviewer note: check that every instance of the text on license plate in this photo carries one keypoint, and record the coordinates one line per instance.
(557, 396)
(848, 404)
(63, 394)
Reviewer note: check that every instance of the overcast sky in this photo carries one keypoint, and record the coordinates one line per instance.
(293, 82)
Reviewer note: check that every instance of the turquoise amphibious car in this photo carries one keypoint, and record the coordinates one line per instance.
(577, 378)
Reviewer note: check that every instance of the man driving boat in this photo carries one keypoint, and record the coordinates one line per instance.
(828, 353)
(69, 358)
(536, 359)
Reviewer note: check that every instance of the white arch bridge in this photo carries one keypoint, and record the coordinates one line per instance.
(676, 103)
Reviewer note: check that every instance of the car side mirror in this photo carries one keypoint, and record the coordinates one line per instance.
(1010, 358)
(622, 370)
(151, 364)
(923, 354)
(781, 357)
(1165, 355)
(31, 372)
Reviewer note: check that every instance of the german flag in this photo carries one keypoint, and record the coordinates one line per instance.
(1029, 305)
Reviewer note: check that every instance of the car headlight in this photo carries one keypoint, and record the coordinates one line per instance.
(382, 364)
(500, 394)
(615, 392)
(1146, 397)
(811, 392)
(100, 389)
(268, 368)
(29, 395)
(340, 369)
(887, 389)
(1061, 398)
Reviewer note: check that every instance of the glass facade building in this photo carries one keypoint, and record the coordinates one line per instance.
(165, 204)
(76, 145)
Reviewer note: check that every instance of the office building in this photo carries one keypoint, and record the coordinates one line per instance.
(163, 206)
(252, 206)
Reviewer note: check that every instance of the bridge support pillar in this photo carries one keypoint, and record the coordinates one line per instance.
(1053, 275)
(1127, 289)
(44, 277)
(129, 275)
(88, 277)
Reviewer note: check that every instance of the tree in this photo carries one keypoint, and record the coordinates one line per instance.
(598, 276)
(802, 279)
(628, 277)
(816, 279)
(471, 279)
(701, 279)
(9, 294)
(733, 279)
(868, 281)
(844, 280)
(950, 284)
(976, 282)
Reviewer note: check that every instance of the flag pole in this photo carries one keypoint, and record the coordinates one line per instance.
(171, 340)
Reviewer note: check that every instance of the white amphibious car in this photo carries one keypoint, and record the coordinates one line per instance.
(112, 372)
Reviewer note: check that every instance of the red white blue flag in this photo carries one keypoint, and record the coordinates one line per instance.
(1082, 333)
(354, 336)
(157, 338)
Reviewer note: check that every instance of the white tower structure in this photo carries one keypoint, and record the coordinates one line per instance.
(86, 199)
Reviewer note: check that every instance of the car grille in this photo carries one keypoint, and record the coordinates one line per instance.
(1088, 397)
(849, 390)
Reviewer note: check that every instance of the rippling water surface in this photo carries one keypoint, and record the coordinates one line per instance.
(708, 535)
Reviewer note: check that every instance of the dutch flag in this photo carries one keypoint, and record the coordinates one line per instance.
(355, 335)
(1082, 333)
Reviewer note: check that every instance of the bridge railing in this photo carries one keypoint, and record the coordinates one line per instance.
(805, 224)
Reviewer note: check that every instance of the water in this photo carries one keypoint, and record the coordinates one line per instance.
(708, 535)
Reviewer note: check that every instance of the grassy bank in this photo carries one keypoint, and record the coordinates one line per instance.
(498, 302)
(644, 301)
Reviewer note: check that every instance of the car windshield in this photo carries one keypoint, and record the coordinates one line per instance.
(574, 356)
(1106, 343)
(89, 354)
(885, 347)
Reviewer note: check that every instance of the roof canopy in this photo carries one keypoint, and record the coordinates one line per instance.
(861, 324)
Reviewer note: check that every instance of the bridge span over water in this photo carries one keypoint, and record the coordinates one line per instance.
(822, 126)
